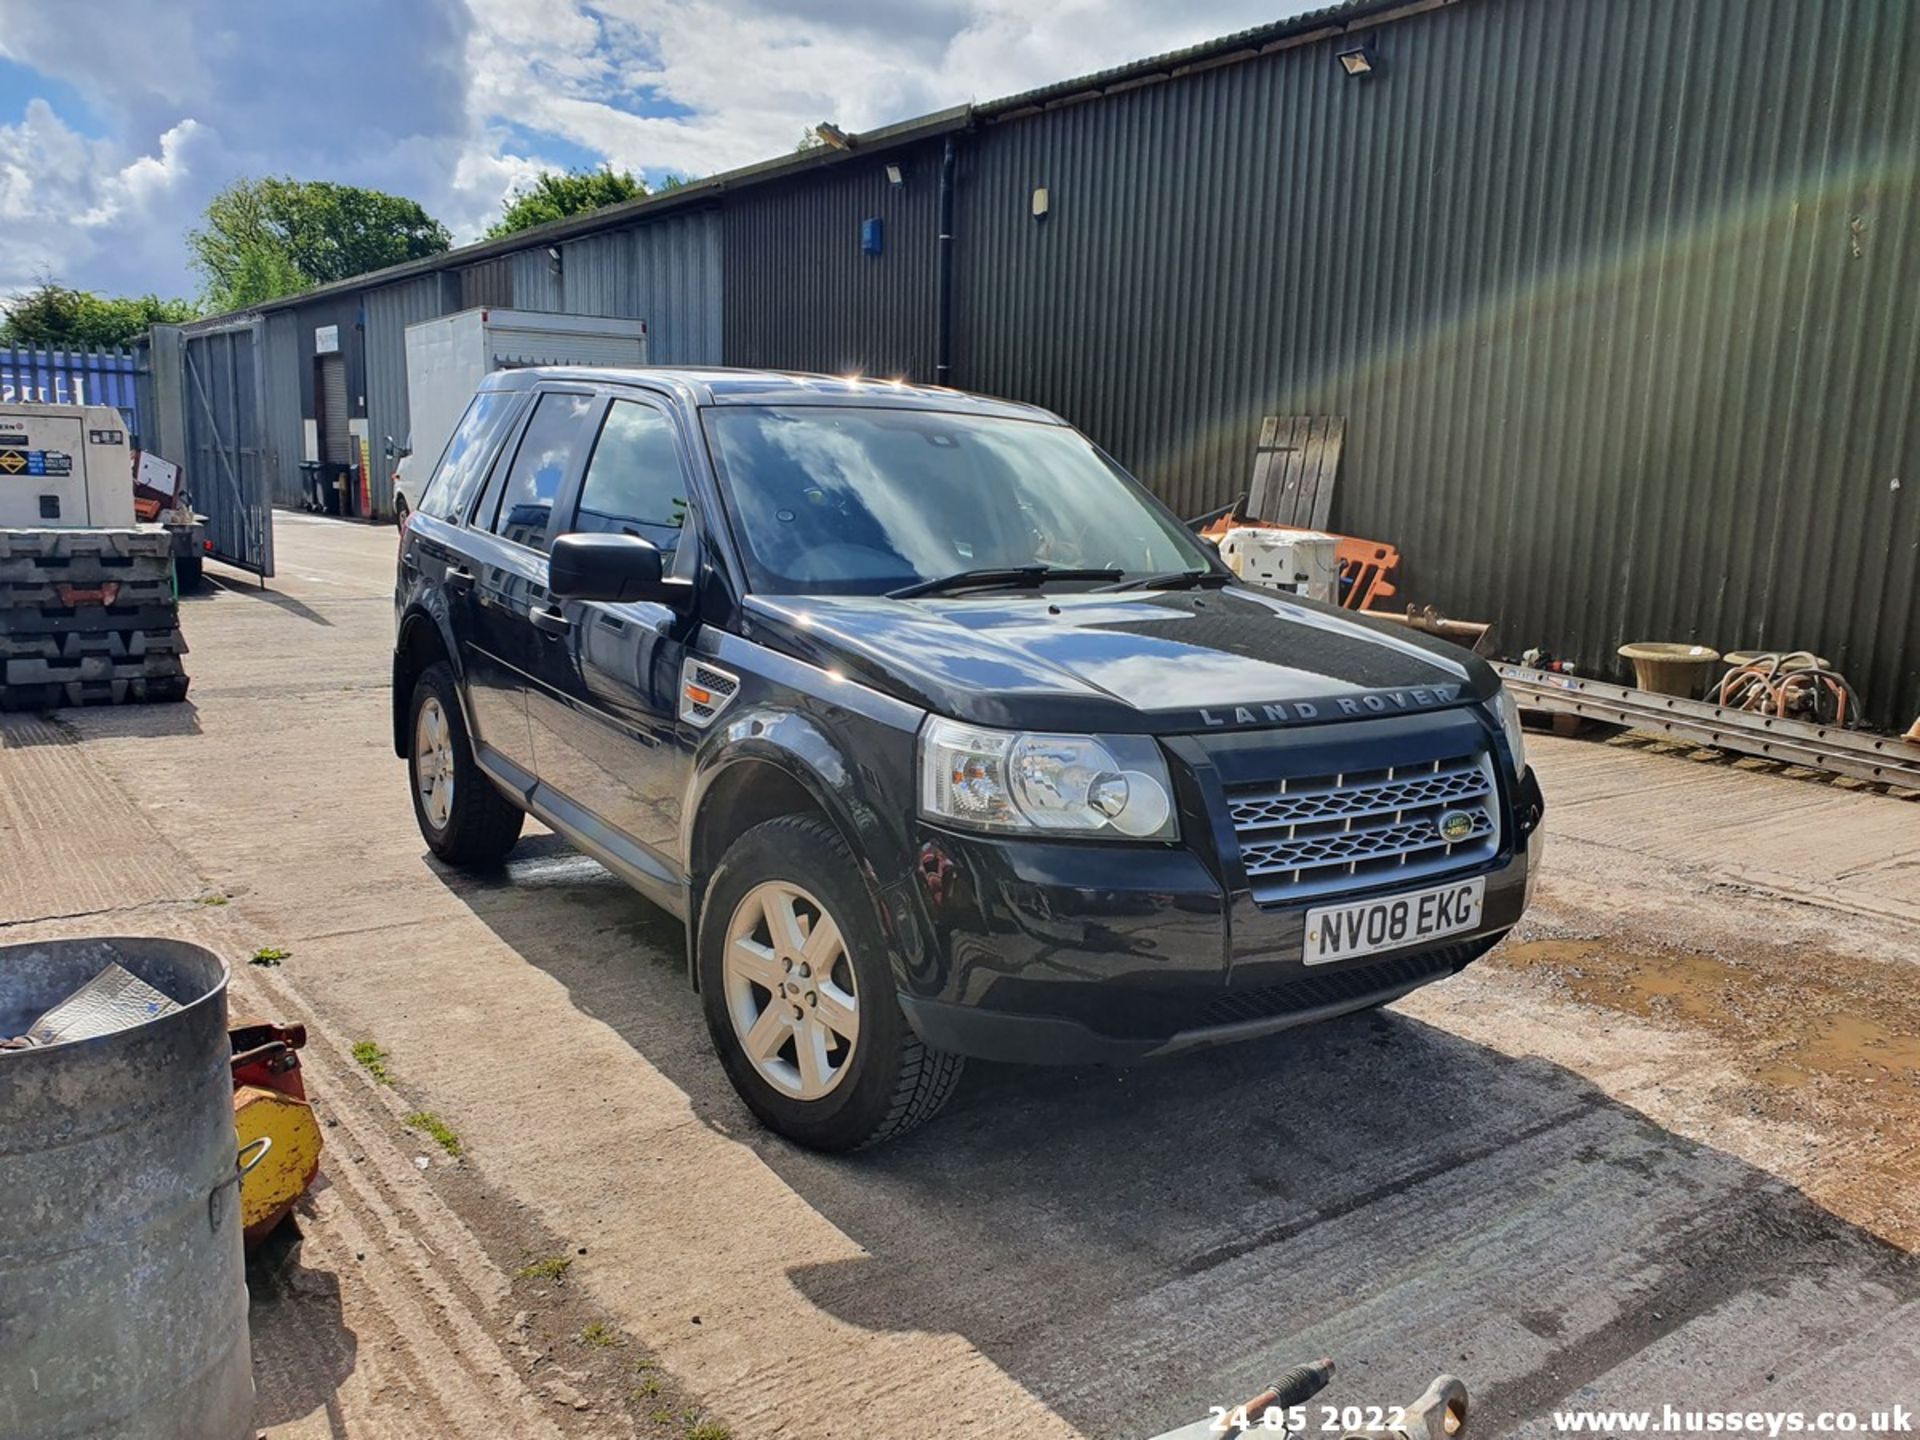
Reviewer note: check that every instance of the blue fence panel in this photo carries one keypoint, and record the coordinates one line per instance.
(70, 377)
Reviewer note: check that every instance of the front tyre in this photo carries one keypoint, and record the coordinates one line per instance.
(463, 818)
(799, 994)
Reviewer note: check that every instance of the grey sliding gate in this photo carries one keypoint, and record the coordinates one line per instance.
(207, 387)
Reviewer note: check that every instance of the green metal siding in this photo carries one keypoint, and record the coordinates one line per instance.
(389, 311)
(1617, 297)
(800, 295)
(666, 272)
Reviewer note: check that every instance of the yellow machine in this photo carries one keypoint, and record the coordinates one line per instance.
(270, 1104)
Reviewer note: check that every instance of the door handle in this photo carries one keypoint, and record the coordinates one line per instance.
(459, 579)
(552, 622)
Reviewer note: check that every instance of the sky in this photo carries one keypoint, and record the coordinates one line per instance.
(119, 118)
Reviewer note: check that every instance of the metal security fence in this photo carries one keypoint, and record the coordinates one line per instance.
(70, 377)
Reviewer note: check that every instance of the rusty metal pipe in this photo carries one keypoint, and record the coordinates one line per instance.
(1471, 633)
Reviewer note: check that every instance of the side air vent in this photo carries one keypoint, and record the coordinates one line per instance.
(705, 690)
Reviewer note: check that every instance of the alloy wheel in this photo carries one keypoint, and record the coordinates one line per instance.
(790, 990)
(433, 762)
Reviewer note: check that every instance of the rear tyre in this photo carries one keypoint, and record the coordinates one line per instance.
(463, 818)
(799, 994)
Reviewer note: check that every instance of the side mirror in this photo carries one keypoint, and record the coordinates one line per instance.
(613, 568)
(397, 452)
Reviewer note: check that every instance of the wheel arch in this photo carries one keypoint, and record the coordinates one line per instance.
(788, 768)
(419, 642)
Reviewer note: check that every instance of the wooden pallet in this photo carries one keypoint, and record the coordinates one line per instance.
(1294, 467)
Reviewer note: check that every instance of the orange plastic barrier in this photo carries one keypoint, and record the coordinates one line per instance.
(1365, 566)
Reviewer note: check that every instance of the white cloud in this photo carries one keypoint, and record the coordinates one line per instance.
(456, 102)
(743, 80)
(80, 206)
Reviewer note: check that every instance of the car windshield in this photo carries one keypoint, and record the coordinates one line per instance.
(853, 501)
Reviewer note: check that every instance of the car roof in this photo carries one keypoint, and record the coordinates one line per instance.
(721, 386)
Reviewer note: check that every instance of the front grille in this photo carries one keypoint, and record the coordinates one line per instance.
(1310, 836)
(1316, 989)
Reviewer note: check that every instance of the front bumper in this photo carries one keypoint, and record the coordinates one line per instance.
(1074, 953)
(1022, 1039)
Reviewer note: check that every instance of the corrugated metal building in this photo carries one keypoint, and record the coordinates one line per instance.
(389, 310)
(665, 272)
(1613, 294)
(799, 283)
(1601, 287)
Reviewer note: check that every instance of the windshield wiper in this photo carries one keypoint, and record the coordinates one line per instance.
(1023, 575)
(1172, 580)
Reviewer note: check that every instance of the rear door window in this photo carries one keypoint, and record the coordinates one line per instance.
(555, 435)
(464, 465)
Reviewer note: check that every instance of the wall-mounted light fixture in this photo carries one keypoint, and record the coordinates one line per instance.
(553, 258)
(1042, 202)
(896, 176)
(1358, 61)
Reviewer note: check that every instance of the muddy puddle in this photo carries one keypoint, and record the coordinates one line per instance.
(1823, 1051)
(1833, 1018)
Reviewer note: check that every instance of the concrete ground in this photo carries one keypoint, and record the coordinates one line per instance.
(1664, 1145)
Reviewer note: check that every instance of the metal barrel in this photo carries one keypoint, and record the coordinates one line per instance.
(123, 1299)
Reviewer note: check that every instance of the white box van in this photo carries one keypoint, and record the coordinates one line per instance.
(448, 357)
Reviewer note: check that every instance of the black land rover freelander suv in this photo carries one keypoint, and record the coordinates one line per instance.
(941, 735)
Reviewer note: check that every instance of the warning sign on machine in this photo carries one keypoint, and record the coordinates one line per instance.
(36, 462)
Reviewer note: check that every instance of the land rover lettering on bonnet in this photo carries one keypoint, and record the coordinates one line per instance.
(941, 736)
(1384, 702)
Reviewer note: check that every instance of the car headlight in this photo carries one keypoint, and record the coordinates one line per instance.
(985, 779)
(1509, 710)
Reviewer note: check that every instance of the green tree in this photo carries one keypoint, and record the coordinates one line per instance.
(261, 239)
(55, 317)
(556, 194)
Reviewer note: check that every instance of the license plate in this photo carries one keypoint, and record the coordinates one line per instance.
(1341, 932)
